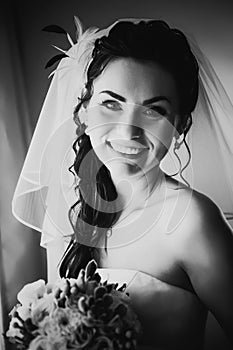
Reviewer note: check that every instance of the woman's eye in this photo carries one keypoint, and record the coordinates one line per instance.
(112, 105)
(155, 111)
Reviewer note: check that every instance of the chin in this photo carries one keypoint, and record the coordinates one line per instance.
(123, 169)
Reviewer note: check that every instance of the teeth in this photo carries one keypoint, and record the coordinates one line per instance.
(127, 150)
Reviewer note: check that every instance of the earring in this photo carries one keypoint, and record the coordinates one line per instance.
(175, 148)
(177, 145)
(180, 171)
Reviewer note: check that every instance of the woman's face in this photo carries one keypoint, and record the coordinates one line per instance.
(131, 116)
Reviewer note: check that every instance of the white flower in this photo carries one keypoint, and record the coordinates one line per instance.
(43, 343)
(60, 283)
(42, 308)
(39, 343)
(24, 312)
(14, 331)
(31, 292)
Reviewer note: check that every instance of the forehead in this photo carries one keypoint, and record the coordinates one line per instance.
(137, 80)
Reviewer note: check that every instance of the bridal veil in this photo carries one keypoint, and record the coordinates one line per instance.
(45, 189)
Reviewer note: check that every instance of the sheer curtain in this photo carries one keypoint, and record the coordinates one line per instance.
(17, 243)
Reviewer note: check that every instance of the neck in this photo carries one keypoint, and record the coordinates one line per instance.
(134, 191)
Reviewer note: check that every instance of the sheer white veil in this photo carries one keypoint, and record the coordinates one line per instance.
(45, 189)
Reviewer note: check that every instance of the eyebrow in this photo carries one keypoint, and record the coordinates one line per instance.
(145, 102)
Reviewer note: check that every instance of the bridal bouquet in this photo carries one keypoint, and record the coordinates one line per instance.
(82, 313)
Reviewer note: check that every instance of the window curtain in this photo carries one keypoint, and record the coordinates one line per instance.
(21, 258)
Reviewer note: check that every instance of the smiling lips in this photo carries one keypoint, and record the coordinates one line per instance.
(127, 147)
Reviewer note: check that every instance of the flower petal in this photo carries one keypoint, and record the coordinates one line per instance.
(31, 292)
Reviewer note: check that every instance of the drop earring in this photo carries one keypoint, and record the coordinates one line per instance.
(176, 147)
(177, 144)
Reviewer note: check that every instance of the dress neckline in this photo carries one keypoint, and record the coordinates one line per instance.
(134, 272)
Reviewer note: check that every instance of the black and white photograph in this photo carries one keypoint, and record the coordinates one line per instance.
(116, 153)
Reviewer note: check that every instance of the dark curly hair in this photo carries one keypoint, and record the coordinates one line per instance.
(148, 41)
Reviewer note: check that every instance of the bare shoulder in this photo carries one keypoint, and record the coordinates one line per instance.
(201, 211)
(196, 220)
(195, 206)
(203, 237)
(203, 215)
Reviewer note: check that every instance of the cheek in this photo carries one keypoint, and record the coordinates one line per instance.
(96, 134)
(163, 133)
(161, 151)
(97, 119)
(97, 126)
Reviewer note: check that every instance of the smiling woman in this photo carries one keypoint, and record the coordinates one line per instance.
(132, 132)
(139, 85)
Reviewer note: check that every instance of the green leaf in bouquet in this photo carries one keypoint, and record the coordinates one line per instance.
(90, 287)
(96, 277)
(81, 281)
(66, 289)
(111, 286)
(122, 288)
(90, 269)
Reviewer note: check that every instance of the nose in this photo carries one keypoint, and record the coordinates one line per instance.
(129, 126)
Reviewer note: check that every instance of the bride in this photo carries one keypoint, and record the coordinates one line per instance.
(167, 240)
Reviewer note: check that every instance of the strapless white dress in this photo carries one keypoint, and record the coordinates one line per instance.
(171, 317)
